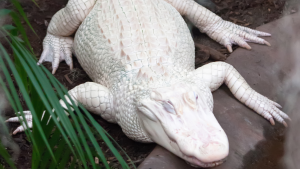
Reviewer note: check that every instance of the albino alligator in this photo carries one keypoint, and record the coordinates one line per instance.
(140, 55)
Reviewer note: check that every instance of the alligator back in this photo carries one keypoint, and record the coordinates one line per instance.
(122, 38)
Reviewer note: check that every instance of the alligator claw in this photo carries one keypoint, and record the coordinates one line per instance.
(22, 127)
(54, 70)
(57, 49)
(272, 121)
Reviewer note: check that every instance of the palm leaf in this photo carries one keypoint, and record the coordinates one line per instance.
(59, 143)
(65, 124)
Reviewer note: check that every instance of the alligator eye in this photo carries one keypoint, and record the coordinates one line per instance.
(168, 107)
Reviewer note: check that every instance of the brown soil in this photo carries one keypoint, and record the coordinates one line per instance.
(251, 13)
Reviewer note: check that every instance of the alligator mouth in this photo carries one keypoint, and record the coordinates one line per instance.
(194, 162)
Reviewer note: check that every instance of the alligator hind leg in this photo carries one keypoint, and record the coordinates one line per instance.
(216, 73)
(93, 96)
(57, 43)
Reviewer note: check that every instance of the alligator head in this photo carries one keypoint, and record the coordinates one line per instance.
(180, 119)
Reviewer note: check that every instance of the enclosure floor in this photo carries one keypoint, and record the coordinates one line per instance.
(254, 142)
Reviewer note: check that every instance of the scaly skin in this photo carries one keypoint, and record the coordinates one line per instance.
(140, 56)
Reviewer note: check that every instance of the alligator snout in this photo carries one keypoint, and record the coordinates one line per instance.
(206, 148)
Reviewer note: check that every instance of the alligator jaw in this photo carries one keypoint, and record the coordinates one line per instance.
(201, 164)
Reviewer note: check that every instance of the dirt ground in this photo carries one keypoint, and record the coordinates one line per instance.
(250, 13)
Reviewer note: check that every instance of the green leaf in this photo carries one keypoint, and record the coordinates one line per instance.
(35, 3)
(21, 29)
(19, 39)
(18, 107)
(55, 104)
(22, 13)
(4, 12)
(8, 27)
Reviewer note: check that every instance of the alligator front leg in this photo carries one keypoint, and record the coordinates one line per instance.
(93, 96)
(57, 43)
(224, 32)
(216, 73)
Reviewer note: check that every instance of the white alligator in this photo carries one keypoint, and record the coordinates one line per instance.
(140, 55)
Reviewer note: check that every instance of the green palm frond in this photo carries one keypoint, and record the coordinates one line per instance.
(62, 140)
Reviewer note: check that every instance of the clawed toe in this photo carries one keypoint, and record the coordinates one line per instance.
(57, 49)
(54, 70)
(22, 127)
(19, 129)
(269, 109)
(229, 48)
(229, 33)
(285, 124)
(272, 121)
(267, 43)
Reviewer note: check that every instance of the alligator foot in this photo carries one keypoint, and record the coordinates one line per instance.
(267, 108)
(228, 34)
(57, 49)
(22, 127)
